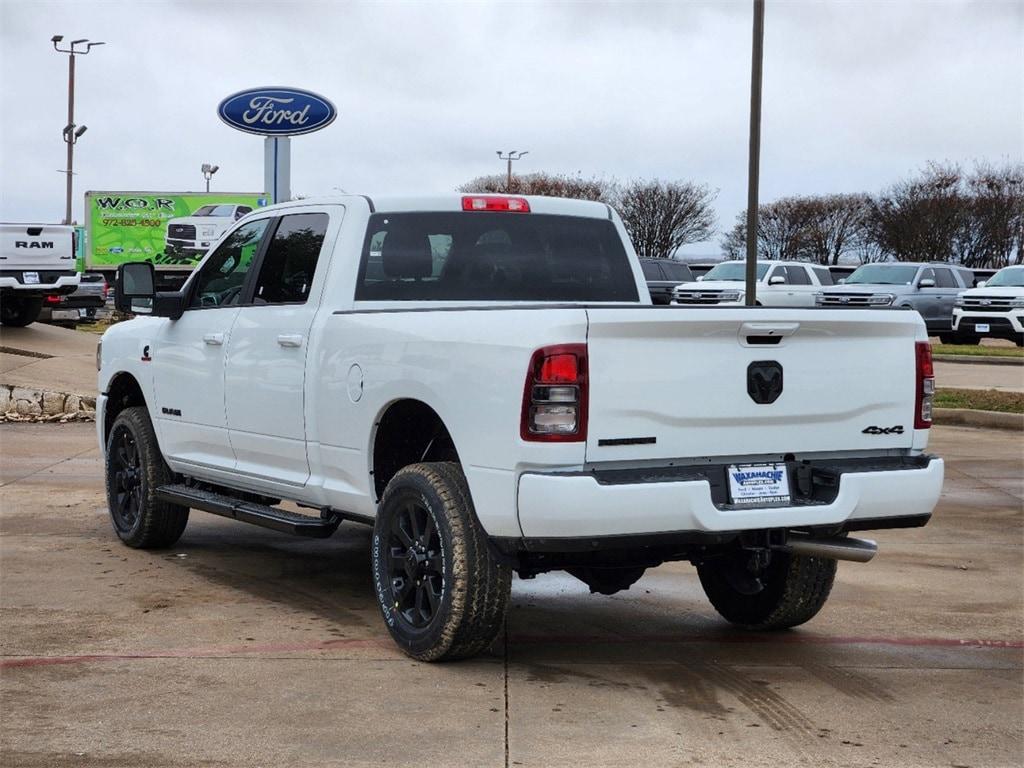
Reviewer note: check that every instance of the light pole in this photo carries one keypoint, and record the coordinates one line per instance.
(208, 171)
(510, 156)
(753, 170)
(72, 132)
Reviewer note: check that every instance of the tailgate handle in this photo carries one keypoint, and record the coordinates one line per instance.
(758, 334)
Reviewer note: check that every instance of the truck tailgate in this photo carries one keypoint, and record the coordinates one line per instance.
(668, 384)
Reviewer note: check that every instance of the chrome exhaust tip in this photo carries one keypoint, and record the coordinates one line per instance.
(835, 548)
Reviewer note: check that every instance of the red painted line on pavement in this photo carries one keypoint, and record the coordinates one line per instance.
(243, 650)
(766, 638)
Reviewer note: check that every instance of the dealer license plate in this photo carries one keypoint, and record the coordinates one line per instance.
(758, 484)
(981, 328)
(30, 278)
(64, 314)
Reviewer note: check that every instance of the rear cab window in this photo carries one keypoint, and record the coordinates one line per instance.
(483, 256)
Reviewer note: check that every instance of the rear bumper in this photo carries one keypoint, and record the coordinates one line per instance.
(578, 506)
(65, 283)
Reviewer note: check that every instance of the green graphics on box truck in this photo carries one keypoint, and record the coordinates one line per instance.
(170, 229)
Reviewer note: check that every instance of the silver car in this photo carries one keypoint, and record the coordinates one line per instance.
(931, 289)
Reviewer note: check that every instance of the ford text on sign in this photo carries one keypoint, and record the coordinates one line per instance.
(277, 111)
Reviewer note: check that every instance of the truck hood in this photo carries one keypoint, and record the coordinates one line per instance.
(1008, 292)
(866, 289)
(714, 285)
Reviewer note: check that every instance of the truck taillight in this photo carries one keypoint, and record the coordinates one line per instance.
(555, 396)
(925, 385)
(52, 299)
(495, 203)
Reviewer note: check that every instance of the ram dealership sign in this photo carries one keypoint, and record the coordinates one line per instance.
(277, 111)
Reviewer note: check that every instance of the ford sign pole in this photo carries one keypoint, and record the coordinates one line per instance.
(753, 173)
(277, 168)
(277, 113)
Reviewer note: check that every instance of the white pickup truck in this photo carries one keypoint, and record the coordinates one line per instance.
(779, 284)
(36, 260)
(485, 381)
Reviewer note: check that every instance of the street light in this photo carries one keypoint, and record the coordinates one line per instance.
(208, 171)
(71, 132)
(510, 156)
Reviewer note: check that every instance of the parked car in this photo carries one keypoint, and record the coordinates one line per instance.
(82, 304)
(780, 284)
(36, 260)
(995, 309)
(931, 289)
(662, 275)
(495, 392)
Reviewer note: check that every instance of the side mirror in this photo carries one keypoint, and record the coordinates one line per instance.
(982, 283)
(700, 279)
(926, 282)
(777, 280)
(841, 281)
(135, 292)
(134, 289)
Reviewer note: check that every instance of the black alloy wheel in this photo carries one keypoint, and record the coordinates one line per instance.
(127, 480)
(135, 470)
(414, 563)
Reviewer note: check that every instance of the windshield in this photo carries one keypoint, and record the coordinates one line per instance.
(733, 270)
(225, 211)
(493, 257)
(883, 274)
(1007, 277)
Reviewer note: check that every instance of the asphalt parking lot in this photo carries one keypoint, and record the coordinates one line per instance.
(241, 646)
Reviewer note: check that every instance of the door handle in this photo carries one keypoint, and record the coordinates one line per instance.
(214, 339)
(290, 340)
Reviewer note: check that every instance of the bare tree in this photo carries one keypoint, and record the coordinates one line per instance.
(921, 219)
(662, 216)
(996, 216)
(546, 184)
(781, 231)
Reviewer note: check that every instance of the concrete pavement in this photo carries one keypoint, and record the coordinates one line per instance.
(241, 646)
(48, 357)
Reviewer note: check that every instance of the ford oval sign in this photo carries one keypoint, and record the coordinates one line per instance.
(277, 111)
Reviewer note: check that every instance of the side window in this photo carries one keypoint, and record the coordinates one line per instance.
(823, 275)
(219, 283)
(290, 260)
(798, 276)
(651, 271)
(944, 279)
(679, 272)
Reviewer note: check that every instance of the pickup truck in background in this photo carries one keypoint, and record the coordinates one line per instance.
(189, 235)
(484, 380)
(994, 309)
(931, 289)
(83, 303)
(780, 284)
(35, 260)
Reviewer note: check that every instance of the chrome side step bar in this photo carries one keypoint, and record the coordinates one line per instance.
(836, 548)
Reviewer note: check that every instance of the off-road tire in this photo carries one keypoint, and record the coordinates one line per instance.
(18, 311)
(795, 589)
(153, 524)
(474, 586)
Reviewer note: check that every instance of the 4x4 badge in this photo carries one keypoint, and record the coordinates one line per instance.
(873, 430)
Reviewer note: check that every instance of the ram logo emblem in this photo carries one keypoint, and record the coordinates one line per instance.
(764, 381)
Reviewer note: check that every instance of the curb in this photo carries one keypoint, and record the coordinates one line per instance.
(966, 417)
(978, 359)
(29, 404)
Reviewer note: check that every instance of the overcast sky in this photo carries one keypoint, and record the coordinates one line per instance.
(856, 94)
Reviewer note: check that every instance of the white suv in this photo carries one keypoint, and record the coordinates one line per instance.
(995, 308)
(780, 284)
